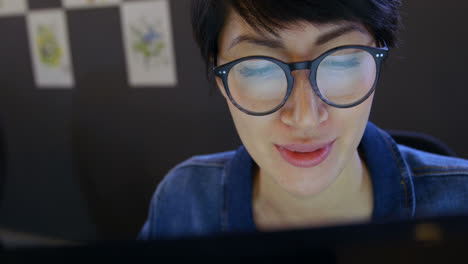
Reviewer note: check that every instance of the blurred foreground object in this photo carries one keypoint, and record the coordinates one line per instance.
(418, 241)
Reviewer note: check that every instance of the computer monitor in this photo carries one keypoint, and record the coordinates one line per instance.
(428, 240)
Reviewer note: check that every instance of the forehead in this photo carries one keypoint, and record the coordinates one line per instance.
(298, 37)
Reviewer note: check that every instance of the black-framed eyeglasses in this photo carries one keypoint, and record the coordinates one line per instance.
(342, 77)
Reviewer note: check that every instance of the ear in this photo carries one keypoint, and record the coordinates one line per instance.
(218, 80)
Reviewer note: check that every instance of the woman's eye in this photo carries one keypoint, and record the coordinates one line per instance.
(341, 64)
(257, 72)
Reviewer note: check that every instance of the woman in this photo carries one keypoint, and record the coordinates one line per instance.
(299, 80)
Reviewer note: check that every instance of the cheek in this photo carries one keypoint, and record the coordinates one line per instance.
(246, 125)
(352, 121)
(242, 122)
(252, 130)
(220, 85)
(363, 110)
(354, 114)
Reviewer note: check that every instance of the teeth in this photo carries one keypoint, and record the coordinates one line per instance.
(303, 151)
(298, 151)
(306, 151)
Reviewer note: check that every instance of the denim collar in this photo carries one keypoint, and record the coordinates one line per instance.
(238, 215)
(391, 177)
(391, 180)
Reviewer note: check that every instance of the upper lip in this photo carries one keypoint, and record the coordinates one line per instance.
(305, 147)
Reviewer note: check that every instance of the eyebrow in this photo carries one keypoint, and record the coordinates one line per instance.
(337, 32)
(260, 41)
(278, 44)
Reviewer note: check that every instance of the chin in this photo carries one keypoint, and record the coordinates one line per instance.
(307, 183)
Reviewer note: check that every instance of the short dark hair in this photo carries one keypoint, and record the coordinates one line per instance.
(380, 17)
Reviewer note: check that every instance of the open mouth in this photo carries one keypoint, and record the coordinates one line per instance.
(304, 156)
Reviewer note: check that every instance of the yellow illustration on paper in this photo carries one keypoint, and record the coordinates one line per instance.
(49, 49)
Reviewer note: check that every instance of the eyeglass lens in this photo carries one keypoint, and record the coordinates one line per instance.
(343, 77)
(346, 76)
(257, 85)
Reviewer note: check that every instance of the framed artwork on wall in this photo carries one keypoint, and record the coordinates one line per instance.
(50, 49)
(147, 36)
(89, 3)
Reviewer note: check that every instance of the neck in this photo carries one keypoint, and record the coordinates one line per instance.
(349, 198)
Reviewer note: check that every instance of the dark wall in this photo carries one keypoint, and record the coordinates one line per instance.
(83, 163)
(424, 86)
(126, 139)
(41, 192)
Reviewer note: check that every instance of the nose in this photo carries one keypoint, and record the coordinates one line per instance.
(304, 110)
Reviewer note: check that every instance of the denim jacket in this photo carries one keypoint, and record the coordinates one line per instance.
(212, 194)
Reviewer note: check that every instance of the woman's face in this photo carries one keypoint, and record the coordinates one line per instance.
(306, 145)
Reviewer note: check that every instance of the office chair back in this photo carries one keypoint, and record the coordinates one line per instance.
(2, 163)
(421, 141)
